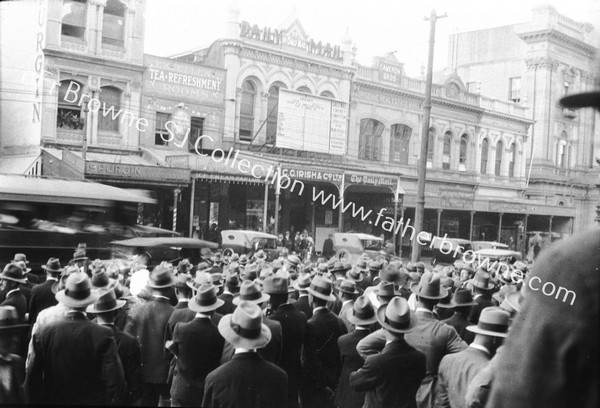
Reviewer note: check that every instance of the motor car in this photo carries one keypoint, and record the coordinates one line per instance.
(349, 245)
(501, 255)
(458, 247)
(477, 245)
(248, 242)
(170, 249)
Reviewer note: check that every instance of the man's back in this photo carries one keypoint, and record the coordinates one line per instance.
(41, 298)
(351, 361)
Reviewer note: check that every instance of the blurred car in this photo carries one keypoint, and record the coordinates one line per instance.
(248, 242)
(500, 255)
(477, 245)
(453, 252)
(170, 249)
(349, 246)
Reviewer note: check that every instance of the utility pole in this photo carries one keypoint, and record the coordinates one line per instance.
(422, 170)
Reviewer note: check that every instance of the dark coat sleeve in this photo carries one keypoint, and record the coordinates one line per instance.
(112, 370)
(367, 377)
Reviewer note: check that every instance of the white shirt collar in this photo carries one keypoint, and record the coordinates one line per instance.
(11, 291)
(49, 278)
(481, 348)
(477, 295)
(227, 292)
(424, 310)
(302, 294)
(345, 302)
(160, 297)
(243, 350)
(202, 315)
(319, 308)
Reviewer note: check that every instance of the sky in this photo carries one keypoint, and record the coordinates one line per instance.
(376, 26)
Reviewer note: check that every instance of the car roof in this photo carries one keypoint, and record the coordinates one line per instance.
(359, 235)
(248, 234)
(156, 242)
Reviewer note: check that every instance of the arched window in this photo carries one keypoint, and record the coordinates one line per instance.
(499, 154)
(272, 111)
(464, 150)
(113, 23)
(369, 142)
(485, 147)
(447, 151)
(246, 130)
(399, 143)
(303, 89)
(109, 97)
(430, 147)
(74, 16)
(327, 94)
(563, 150)
(513, 160)
(69, 113)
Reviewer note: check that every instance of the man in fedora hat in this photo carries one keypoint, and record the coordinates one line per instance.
(392, 378)
(457, 370)
(12, 366)
(462, 303)
(361, 316)
(79, 258)
(10, 280)
(301, 285)
(197, 347)
(348, 292)
(74, 361)
(431, 337)
(148, 324)
(106, 309)
(32, 278)
(320, 355)
(42, 296)
(232, 288)
(247, 380)
(293, 327)
(482, 287)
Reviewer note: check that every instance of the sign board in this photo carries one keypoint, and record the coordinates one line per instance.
(456, 199)
(371, 180)
(136, 172)
(311, 123)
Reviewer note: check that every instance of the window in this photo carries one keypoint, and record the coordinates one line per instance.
(446, 154)
(74, 16)
(247, 111)
(69, 114)
(196, 130)
(464, 150)
(399, 143)
(369, 142)
(303, 89)
(109, 97)
(513, 160)
(473, 87)
(273, 111)
(515, 89)
(484, 156)
(327, 94)
(430, 147)
(161, 135)
(113, 23)
(563, 151)
(499, 153)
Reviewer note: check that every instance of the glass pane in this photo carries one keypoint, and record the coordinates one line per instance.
(112, 28)
(109, 97)
(74, 13)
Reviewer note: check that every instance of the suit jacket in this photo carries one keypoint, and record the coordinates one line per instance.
(247, 381)
(302, 305)
(392, 378)
(482, 302)
(75, 362)
(321, 362)
(197, 346)
(460, 322)
(148, 324)
(228, 307)
(130, 355)
(41, 298)
(272, 352)
(455, 373)
(351, 361)
(342, 315)
(293, 327)
(19, 302)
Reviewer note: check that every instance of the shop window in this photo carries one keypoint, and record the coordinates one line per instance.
(69, 114)
(109, 97)
(399, 143)
(246, 130)
(74, 16)
(196, 130)
(273, 111)
(303, 89)
(514, 89)
(485, 147)
(327, 94)
(447, 151)
(513, 160)
(464, 150)
(370, 139)
(430, 147)
(113, 23)
(499, 154)
(161, 135)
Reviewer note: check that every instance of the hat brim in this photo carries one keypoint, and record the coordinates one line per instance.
(330, 298)
(357, 321)
(195, 307)
(296, 286)
(450, 305)
(52, 270)
(120, 304)
(263, 298)
(396, 293)
(238, 341)
(380, 314)
(154, 286)
(475, 329)
(10, 278)
(581, 100)
(415, 289)
(354, 279)
(489, 287)
(70, 302)
(513, 300)
(356, 291)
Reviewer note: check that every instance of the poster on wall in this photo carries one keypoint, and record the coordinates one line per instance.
(311, 123)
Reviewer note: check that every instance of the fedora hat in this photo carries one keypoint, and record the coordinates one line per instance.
(203, 267)
(321, 288)
(200, 279)
(462, 298)
(337, 267)
(251, 272)
(20, 258)
(277, 285)
(386, 290)
(23, 266)
(482, 280)
(161, 277)
(396, 316)
(53, 266)
(362, 312)
(355, 274)
(260, 254)
(216, 258)
(390, 274)
(234, 257)
(244, 328)
(348, 286)
(106, 303)
(206, 253)
(78, 291)
(374, 266)
(250, 292)
(243, 259)
(411, 267)
(184, 266)
(206, 299)
(303, 282)
(429, 287)
(512, 300)
(493, 321)
(362, 264)
(322, 268)
(79, 254)
(446, 303)
(294, 260)
(181, 280)
(232, 281)
(13, 272)
(9, 318)
(100, 279)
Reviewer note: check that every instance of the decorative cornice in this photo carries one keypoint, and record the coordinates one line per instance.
(551, 34)
(542, 63)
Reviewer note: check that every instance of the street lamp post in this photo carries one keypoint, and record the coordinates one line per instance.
(422, 169)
